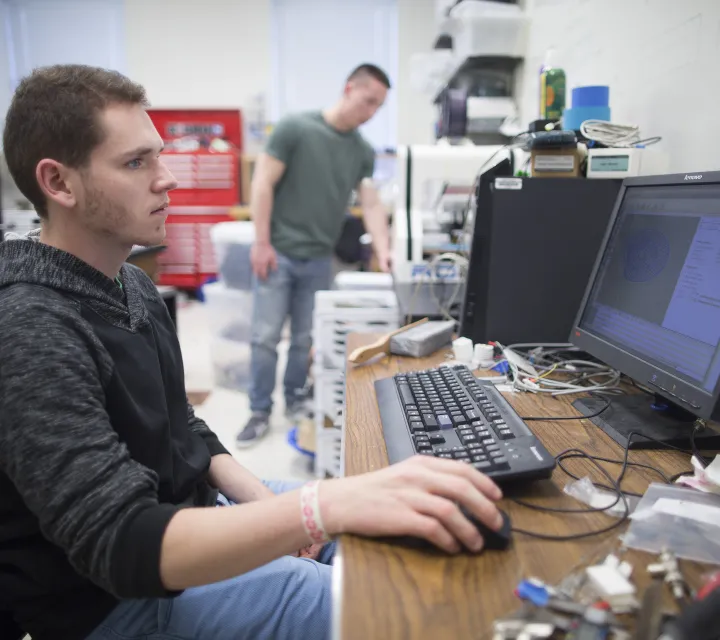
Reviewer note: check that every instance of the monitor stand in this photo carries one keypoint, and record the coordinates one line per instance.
(657, 418)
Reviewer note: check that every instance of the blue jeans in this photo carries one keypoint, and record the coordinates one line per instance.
(287, 291)
(286, 599)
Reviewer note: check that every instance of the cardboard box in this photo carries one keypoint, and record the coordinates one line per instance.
(556, 163)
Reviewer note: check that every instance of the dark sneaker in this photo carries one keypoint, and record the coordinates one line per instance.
(295, 411)
(256, 428)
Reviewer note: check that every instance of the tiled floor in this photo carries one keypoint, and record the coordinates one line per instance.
(226, 411)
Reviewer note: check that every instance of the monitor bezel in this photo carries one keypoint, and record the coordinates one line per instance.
(697, 400)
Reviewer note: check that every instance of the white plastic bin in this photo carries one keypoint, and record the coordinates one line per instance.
(229, 311)
(231, 364)
(484, 28)
(363, 280)
(232, 242)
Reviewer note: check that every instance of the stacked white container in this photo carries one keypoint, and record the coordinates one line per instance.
(230, 304)
(337, 314)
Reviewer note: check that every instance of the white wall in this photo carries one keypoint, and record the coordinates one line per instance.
(417, 33)
(306, 78)
(191, 53)
(217, 53)
(659, 57)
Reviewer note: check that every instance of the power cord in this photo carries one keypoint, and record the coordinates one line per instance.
(697, 428)
(586, 534)
(615, 486)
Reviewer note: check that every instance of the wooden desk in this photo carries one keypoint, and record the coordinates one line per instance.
(387, 592)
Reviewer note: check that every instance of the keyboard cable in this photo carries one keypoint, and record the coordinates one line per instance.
(615, 483)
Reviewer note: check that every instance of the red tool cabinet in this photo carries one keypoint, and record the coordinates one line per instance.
(208, 187)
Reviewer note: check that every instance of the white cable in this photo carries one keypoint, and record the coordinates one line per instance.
(462, 263)
(614, 135)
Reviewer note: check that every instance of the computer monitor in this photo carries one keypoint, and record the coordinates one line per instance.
(652, 309)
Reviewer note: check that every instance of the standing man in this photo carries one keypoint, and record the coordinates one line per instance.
(300, 193)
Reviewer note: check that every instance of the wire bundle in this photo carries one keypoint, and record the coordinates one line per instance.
(615, 135)
(551, 359)
(433, 277)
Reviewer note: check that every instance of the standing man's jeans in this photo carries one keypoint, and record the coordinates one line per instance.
(289, 290)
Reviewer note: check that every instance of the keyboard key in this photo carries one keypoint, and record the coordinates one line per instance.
(468, 439)
(460, 448)
(429, 420)
(482, 433)
(436, 438)
(460, 455)
(488, 441)
(501, 463)
(444, 455)
(482, 466)
(472, 414)
(479, 458)
(492, 447)
(443, 450)
(477, 423)
(492, 454)
(406, 394)
(475, 446)
(426, 452)
(444, 420)
(464, 431)
(505, 435)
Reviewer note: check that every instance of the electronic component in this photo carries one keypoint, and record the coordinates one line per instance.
(423, 339)
(626, 162)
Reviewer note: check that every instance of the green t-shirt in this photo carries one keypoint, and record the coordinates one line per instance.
(322, 167)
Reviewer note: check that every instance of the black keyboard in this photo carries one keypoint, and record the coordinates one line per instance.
(448, 413)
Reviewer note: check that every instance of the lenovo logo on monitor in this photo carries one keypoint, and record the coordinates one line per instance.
(697, 176)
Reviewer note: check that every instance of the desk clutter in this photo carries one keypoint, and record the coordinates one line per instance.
(612, 592)
(627, 328)
(600, 602)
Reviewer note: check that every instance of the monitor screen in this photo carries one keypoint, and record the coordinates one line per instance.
(657, 290)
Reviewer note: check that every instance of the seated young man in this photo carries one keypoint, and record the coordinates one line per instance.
(107, 478)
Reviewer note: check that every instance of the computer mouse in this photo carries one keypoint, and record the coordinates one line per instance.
(494, 540)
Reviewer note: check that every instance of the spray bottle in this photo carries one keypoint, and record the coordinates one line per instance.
(552, 89)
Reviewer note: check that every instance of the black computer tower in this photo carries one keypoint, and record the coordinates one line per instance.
(534, 244)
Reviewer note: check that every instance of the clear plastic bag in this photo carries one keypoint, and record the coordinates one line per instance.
(684, 521)
(587, 493)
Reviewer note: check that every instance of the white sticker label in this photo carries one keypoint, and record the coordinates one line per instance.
(690, 510)
(554, 163)
(509, 183)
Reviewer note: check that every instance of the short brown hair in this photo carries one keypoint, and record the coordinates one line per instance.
(54, 114)
(371, 70)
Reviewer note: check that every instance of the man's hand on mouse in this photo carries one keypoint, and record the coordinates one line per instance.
(418, 497)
